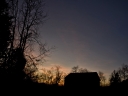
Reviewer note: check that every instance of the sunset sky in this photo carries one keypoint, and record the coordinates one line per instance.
(90, 33)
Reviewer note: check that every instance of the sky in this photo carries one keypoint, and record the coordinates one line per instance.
(92, 34)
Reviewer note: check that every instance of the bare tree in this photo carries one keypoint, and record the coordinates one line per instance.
(83, 70)
(102, 78)
(76, 69)
(52, 76)
(27, 16)
(123, 72)
(46, 76)
(114, 78)
(59, 75)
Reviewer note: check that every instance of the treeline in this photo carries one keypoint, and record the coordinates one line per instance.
(119, 76)
(56, 76)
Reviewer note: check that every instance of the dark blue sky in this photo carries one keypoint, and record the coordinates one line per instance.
(89, 33)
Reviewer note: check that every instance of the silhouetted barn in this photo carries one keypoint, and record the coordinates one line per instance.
(86, 80)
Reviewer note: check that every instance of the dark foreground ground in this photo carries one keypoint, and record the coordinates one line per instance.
(51, 90)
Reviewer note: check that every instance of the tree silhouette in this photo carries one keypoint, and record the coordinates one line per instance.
(123, 72)
(102, 78)
(53, 76)
(27, 16)
(59, 76)
(76, 69)
(5, 33)
(5, 39)
(115, 78)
